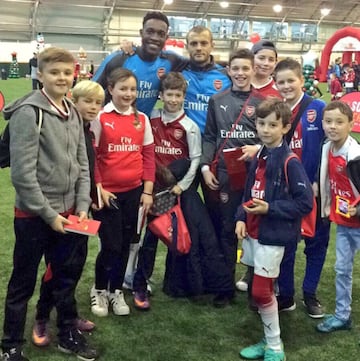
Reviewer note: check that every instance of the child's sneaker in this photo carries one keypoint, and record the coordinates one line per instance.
(74, 342)
(118, 303)
(13, 354)
(254, 352)
(242, 284)
(141, 300)
(40, 333)
(313, 307)
(271, 355)
(84, 325)
(332, 323)
(99, 302)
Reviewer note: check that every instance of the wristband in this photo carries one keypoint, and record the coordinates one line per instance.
(148, 194)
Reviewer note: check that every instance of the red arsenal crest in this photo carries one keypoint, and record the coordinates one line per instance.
(250, 110)
(218, 84)
(160, 72)
(311, 115)
(178, 133)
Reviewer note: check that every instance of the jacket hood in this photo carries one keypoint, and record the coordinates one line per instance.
(35, 98)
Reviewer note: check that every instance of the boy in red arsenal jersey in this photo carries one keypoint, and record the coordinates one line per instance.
(339, 191)
(176, 138)
(265, 57)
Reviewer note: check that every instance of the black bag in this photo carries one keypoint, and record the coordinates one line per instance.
(5, 139)
(163, 202)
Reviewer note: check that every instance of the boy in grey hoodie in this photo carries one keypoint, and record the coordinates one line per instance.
(50, 173)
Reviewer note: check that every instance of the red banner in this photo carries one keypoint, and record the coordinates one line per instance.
(353, 99)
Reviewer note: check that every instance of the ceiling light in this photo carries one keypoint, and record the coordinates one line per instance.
(168, 2)
(325, 11)
(277, 8)
(224, 4)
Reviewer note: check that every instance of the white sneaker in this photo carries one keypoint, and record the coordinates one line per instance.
(118, 303)
(99, 302)
(242, 285)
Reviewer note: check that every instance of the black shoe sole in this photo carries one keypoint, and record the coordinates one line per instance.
(80, 357)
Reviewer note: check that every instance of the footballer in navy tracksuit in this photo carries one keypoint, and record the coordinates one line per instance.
(224, 109)
(148, 74)
(306, 142)
(203, 82)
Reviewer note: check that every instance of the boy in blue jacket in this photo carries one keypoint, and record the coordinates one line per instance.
(304, 139)
(270, 219)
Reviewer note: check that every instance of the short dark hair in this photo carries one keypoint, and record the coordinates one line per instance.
(173, 80)
(288, 64)
(343, 107)
(54, 55)
(264, 44)
(198, 29)
(273, 104)
(241, 53)
(155, 15)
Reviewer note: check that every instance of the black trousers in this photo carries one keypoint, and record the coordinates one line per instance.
(117, 230)
(46, 300)
(33, 239)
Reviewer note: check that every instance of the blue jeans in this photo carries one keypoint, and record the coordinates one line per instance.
(347, 244)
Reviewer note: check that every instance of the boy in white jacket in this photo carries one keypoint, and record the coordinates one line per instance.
(339, 191)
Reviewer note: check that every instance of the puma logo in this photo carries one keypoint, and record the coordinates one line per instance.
(111, 125)
(223, 107)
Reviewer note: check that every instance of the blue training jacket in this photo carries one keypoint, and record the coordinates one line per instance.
(148, 74)
(202, 84)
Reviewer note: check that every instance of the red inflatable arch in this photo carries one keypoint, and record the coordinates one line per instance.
(339, 34)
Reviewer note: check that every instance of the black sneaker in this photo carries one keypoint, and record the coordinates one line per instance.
(13, 354)
(223, 299)
(76, 343)
(286, 304)
(313, 307)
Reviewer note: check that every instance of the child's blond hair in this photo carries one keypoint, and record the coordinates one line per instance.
(89, 89)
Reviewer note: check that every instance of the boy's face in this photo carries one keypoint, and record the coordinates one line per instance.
(265, 61)
(336, 126)
(57, 79)
(289, 85)
(89, 107)
(271, 130)
(199, 47)
(173, 100)
(241, 71)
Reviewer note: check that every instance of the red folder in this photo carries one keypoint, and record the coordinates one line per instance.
(236, 168)
(87, 227)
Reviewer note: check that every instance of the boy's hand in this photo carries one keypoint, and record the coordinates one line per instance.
(176, 190)
(82, 216)
(249, 151)
(240, 230)
(352, 211)
(258, 207)
(58, 224)
(210, 180)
